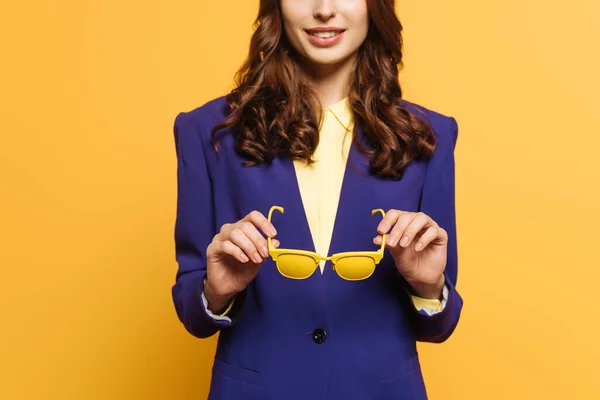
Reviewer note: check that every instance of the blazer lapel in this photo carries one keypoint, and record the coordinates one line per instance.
(292, 225)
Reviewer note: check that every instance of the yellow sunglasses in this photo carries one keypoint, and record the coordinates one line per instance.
(300, 264)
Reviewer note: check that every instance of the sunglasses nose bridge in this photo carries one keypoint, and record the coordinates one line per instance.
(330, 259)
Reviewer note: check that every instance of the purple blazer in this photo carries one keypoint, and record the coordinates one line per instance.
(322, 337)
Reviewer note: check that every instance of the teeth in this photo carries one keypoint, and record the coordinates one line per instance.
(324, 34)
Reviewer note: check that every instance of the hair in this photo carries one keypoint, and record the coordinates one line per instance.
(273, 112)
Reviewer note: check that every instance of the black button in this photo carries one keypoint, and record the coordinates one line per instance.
(319, 336)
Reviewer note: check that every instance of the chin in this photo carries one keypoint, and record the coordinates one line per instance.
(326, 60)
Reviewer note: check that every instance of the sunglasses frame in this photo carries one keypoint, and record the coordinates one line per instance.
(376, 255)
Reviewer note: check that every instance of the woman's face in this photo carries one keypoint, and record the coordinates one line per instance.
(325, 31)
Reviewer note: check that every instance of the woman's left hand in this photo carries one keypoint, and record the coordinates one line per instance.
(419, 247)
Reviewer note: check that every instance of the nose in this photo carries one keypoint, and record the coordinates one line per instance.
(324, 9)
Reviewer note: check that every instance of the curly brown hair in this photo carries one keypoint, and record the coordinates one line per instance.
(273, 112)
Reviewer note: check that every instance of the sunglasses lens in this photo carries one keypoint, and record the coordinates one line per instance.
(355, 268)
(296, 266)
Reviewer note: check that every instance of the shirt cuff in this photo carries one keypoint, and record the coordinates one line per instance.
(217, 317)
(431, 306)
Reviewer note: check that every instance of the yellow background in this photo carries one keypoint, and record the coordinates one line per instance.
(89, 91)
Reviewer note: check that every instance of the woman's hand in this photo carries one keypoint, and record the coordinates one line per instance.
(419, 247)
(234, 257)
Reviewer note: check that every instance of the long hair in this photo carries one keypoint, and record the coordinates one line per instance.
(273, 112)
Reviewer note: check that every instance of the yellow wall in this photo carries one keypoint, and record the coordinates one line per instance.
(89, 90)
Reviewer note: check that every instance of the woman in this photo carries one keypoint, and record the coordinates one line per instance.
(279, 235)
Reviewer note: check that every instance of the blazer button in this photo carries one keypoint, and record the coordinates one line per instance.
(319, 336)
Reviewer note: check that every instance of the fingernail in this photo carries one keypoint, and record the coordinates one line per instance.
(418, 246)
(404, 241)
(265, 251)
(257, 258)
(244, 257)
(272, 231)
(391, 240)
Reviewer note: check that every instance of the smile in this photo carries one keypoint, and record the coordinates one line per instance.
(325, 38)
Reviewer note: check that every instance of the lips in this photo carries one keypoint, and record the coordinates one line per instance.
(325, 36)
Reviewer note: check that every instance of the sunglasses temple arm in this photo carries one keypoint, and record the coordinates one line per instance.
(273, 208)
(382, 248)
(380, 211)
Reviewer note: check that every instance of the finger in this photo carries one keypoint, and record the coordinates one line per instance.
(239, 238)
(398, 230)
(261, 222)
(225, 228)
(275, 242)
(430, 234)
(260, 243)
(227, 247)
(388, 221)
(420, 222)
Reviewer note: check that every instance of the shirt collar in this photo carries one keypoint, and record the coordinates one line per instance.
(343, 113)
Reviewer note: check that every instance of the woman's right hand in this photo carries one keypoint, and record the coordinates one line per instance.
(234, 257)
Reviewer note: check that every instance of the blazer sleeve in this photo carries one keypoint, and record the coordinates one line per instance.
(438, 201)
(194, 230)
